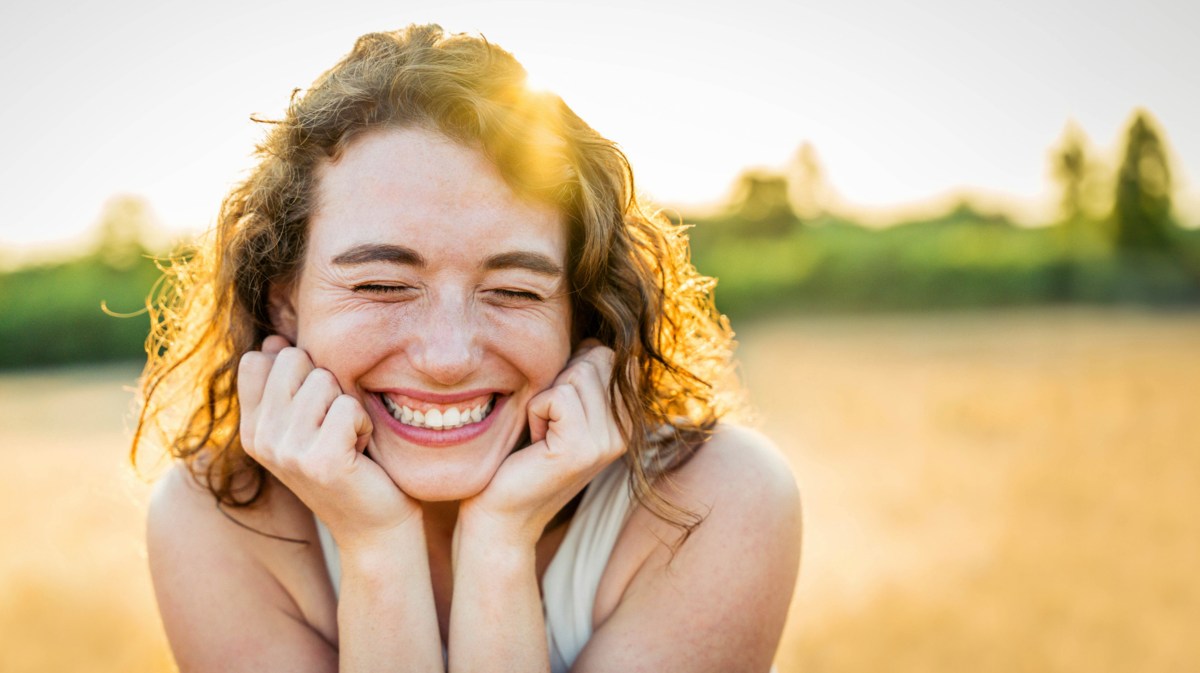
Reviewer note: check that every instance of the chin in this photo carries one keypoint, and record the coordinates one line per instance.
(429, 491)
(441, 480)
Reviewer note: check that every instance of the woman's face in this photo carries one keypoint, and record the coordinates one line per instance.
(438, 298)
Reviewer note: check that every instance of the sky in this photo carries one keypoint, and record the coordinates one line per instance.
(905, 102)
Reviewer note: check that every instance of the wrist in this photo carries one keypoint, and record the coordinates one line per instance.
(482, 541)
(382, 547)
(486, 528)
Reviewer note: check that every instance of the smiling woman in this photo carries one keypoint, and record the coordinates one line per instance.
(428, 285)
(457, 398)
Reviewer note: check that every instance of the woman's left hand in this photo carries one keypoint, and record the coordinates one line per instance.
(574, 435)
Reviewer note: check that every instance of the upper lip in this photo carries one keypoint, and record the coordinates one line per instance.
(440, 398)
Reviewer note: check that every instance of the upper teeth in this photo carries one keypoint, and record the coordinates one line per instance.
(437, 419)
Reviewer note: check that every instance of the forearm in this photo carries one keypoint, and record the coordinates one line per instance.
(387, 619)
(496, 623)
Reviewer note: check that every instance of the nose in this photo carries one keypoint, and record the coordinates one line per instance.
(445, 347)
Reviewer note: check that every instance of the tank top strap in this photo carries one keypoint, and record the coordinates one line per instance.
(573, 576)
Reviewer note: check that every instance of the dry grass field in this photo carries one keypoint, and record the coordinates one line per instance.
(983, 492)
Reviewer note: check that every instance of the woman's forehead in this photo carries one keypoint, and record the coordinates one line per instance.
(417, 188)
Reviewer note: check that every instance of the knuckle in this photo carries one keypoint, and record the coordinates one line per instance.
(252, 365)
(593, 370)
(582, 373)
(292, 357)
(343, 404)
(602, 355)
(322, 378)
(338, 412)
(251, 359)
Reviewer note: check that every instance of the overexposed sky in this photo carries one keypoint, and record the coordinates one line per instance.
(904, 101)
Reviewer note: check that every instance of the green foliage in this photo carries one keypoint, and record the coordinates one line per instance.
(122, 232)
(1143, 194)
(53, 314)
(88, 309)
(760, 204)
(961, 260)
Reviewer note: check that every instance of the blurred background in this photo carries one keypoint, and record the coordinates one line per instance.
(960, 243)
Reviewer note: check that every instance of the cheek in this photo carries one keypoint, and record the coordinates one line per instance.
(342, 342)
(543, 340)
(541, 360)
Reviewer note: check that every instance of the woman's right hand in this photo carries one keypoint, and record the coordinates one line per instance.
(298, 424)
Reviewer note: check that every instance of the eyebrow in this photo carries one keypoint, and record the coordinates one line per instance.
(530, 261)
(368, 253)
(379, 252)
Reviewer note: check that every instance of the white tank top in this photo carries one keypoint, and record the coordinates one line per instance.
(570, 582)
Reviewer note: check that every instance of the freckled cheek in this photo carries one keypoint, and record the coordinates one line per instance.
(540, 344)
(343, 342)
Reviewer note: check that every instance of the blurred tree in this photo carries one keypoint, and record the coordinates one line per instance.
(1155, 261)
(122, 231)
(760, 204)
(807, 189)
(1142, 208)
(1071, 168)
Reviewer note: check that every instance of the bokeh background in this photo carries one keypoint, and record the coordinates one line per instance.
(960, 243)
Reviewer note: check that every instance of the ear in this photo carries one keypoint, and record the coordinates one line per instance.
(281, 306)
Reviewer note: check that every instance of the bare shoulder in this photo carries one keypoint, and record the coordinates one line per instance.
(666, 606)
(232, 598)
(183, 511)
(739, 471)
(744, 490)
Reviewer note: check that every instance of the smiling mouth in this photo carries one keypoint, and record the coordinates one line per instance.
(440, 417)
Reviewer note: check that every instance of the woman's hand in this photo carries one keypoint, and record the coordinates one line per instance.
(574, 433)
(298, 424)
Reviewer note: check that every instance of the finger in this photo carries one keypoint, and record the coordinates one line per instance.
(552, 409)
(605, 361)
(583, 348)
(348, 423)
(602, 360)
(601, 357)
(253, 369)
(274, 343)
(537, 412)
(291, 368)
(315, 396)
(589, 385)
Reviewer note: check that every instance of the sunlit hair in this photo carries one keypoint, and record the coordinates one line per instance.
(632, 284)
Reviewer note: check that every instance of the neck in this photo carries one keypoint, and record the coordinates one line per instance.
(440, 518)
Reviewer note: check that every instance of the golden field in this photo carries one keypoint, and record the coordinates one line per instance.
(983, 492)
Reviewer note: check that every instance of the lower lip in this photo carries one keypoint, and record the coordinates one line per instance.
(429, 437)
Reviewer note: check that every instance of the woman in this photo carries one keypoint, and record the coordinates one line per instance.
(456, 399)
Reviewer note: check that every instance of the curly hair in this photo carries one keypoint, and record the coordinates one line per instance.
(631, 282)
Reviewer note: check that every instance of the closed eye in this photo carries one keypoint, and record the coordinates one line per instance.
(376, 288)
(518, 295)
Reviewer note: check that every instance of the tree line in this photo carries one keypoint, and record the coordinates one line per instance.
(779, 245)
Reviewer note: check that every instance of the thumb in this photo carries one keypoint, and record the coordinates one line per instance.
(345, 416)
(362, 428)
(541, 413)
